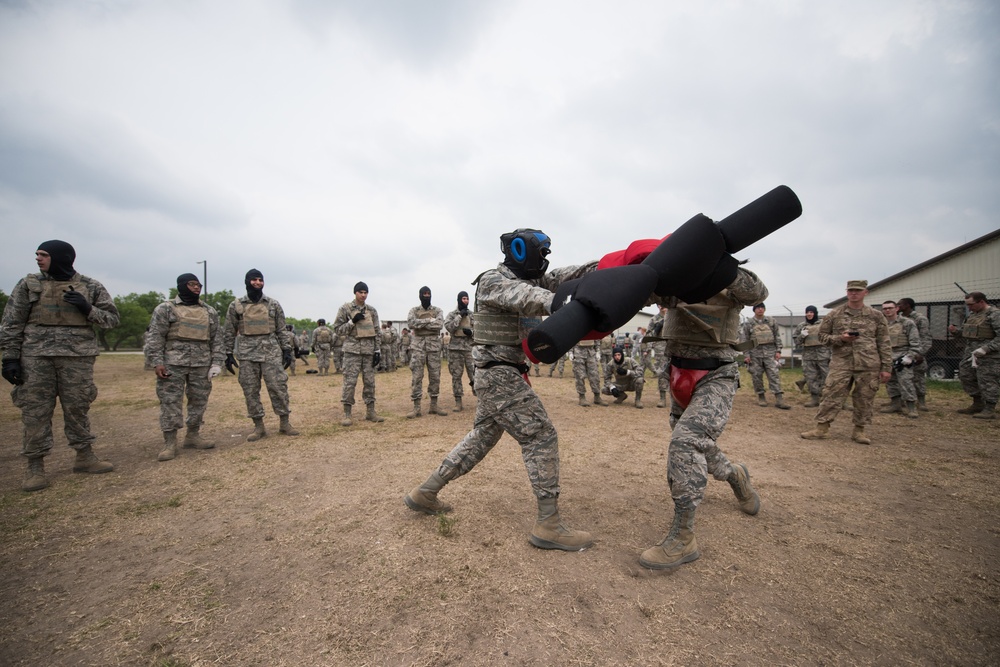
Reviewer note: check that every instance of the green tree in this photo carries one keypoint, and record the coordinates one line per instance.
(135, 311)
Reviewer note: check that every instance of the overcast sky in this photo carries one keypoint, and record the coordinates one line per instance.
(325, 142)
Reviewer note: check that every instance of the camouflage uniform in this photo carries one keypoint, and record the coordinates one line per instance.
(187, 340)
(361, 343)
(425, 350)
(858, 363)
(815, 356)
(661, 366)
(460, 350)
(337, 352)
(764, 333)
(57, 346)
(322, 344)
(981, 330)
(506, 401)
(560, 365)
(920, 367)
(631, 380)
(587, 367)
(405, 338)
(390, 348)
(607, 345)
(905, 341)
(258, 344)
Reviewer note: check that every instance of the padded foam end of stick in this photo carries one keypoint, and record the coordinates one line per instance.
(759, 218)
(557, 334)
(721, 278)
(616, 294)
(687, 256)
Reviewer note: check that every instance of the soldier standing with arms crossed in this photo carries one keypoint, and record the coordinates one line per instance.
(358, 324)
(426, 322)
(861, 357)
(255, 334)
(49, 349)
(979, 370)
(184, 345)
(459, 324)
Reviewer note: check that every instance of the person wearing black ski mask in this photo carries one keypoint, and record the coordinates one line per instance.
(184, 345)
(426, 322)
(458, 323)
(255, 334)
(49, 349)
(815, 356)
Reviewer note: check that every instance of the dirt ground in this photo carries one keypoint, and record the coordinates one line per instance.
(299, 550)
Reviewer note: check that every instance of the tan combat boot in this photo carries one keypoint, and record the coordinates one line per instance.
(413, 414)
(858, 436)
(895, 406)
(762, 400)
(87, 461)
(34, 479)
(739, 480)
(346, 421)
(424, 497)
(663, 400)
(583, 401)
(989, 412)
(169, 451)
(371, 415)
(976, 407)
(285, 427)
(434, 409)
(599, 401)
(551, 533)
(801, 384)
(621, 397)
(922, 403)
(458, 404)
(259, 432)
(779, 402)
(821, 432)
(192, 438)
(911, 410)
(638, 398)
(813, 401)
(677, 548)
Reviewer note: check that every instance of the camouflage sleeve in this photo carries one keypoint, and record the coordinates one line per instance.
(556, 277)
(342, 322)
(797, 333)
(15, 316)
(452, 321)
(217, 342)
(230, 329)
(378, 326)
(104, 313)
(882, 343)
(284, 337)
(912, 338)
(826, 331)
(924, 329)
(993, 316)
(156, 336)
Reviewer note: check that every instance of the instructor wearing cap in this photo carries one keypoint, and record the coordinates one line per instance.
(49, 349)
(358, 324)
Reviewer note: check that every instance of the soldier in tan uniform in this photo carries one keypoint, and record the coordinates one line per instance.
(815, 355)
(358, 324)
(979, 371)
(905, 341)
(763, 357)
(426, 322)
(322, 345)
(862, 357)
(907, 308)
(49, 349)
(460, 325)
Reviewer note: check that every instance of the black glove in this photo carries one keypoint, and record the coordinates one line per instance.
(616, 392)
(377, 358)
(464, 312)
(467, 331)
(286, 358)
(12, 371)
(897, 364)
(231, 364)
(357, 318)
(621, 370)
(78, 300)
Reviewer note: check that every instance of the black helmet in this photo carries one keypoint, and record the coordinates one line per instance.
(525, 251)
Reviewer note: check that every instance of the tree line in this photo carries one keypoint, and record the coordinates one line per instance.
(137, 309)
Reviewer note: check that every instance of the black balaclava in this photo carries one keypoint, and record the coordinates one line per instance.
(815, 318)
(463, 306)
(187, 297)
(617, 349)
(63, 255)
(254, 294)
(321, 322)
(425, 297)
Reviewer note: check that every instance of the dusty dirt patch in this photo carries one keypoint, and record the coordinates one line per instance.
(299, 551)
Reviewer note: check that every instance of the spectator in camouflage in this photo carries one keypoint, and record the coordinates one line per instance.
(426, 322)
(907, 308)
(979, 370)
(763, 357)
(905, 341)
(587, 367)
(459, 324)
(622, 375)
(815, 355)
(357, 322)
(322, 345)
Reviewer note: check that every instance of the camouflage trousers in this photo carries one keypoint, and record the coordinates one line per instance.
(587, 367)
(251, 373)
(693, 452)
(355, 365)
(920, 378)
(170, 390)
(627, 383)
(661, 366)
(559, 365)
(323, 357)
(838, 385)
(508, 404)
(459, 361)
(762, 362)
(338, 358)
(45, 378)
(815, 368)
(900, 385)
(982, 381)
(432, 360)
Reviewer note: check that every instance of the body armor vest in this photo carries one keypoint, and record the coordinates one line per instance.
(425, 314)
(896, 337)
(812, 340)
(255, 319)
(192, 323)
(763, 334)
(464, 323)
(366, 327)
(50, 309)
(323, 335)
(587, 343)
(977, 327)
(714, 323)
(502, 328)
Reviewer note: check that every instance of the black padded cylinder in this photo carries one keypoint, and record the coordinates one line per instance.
(759, 218)
(559, 333)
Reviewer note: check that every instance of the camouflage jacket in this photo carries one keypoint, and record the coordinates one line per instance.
(906, 337)
(988, 319)
(344, 325)
(20, 338)
(869, 351)
(500, 291)
(162, 350)
(924, 330)
(453, 325)
(633, 369)
(747, 333)
(426, 325)
(257, 348)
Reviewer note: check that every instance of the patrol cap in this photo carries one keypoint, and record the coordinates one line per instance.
(857, 284)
